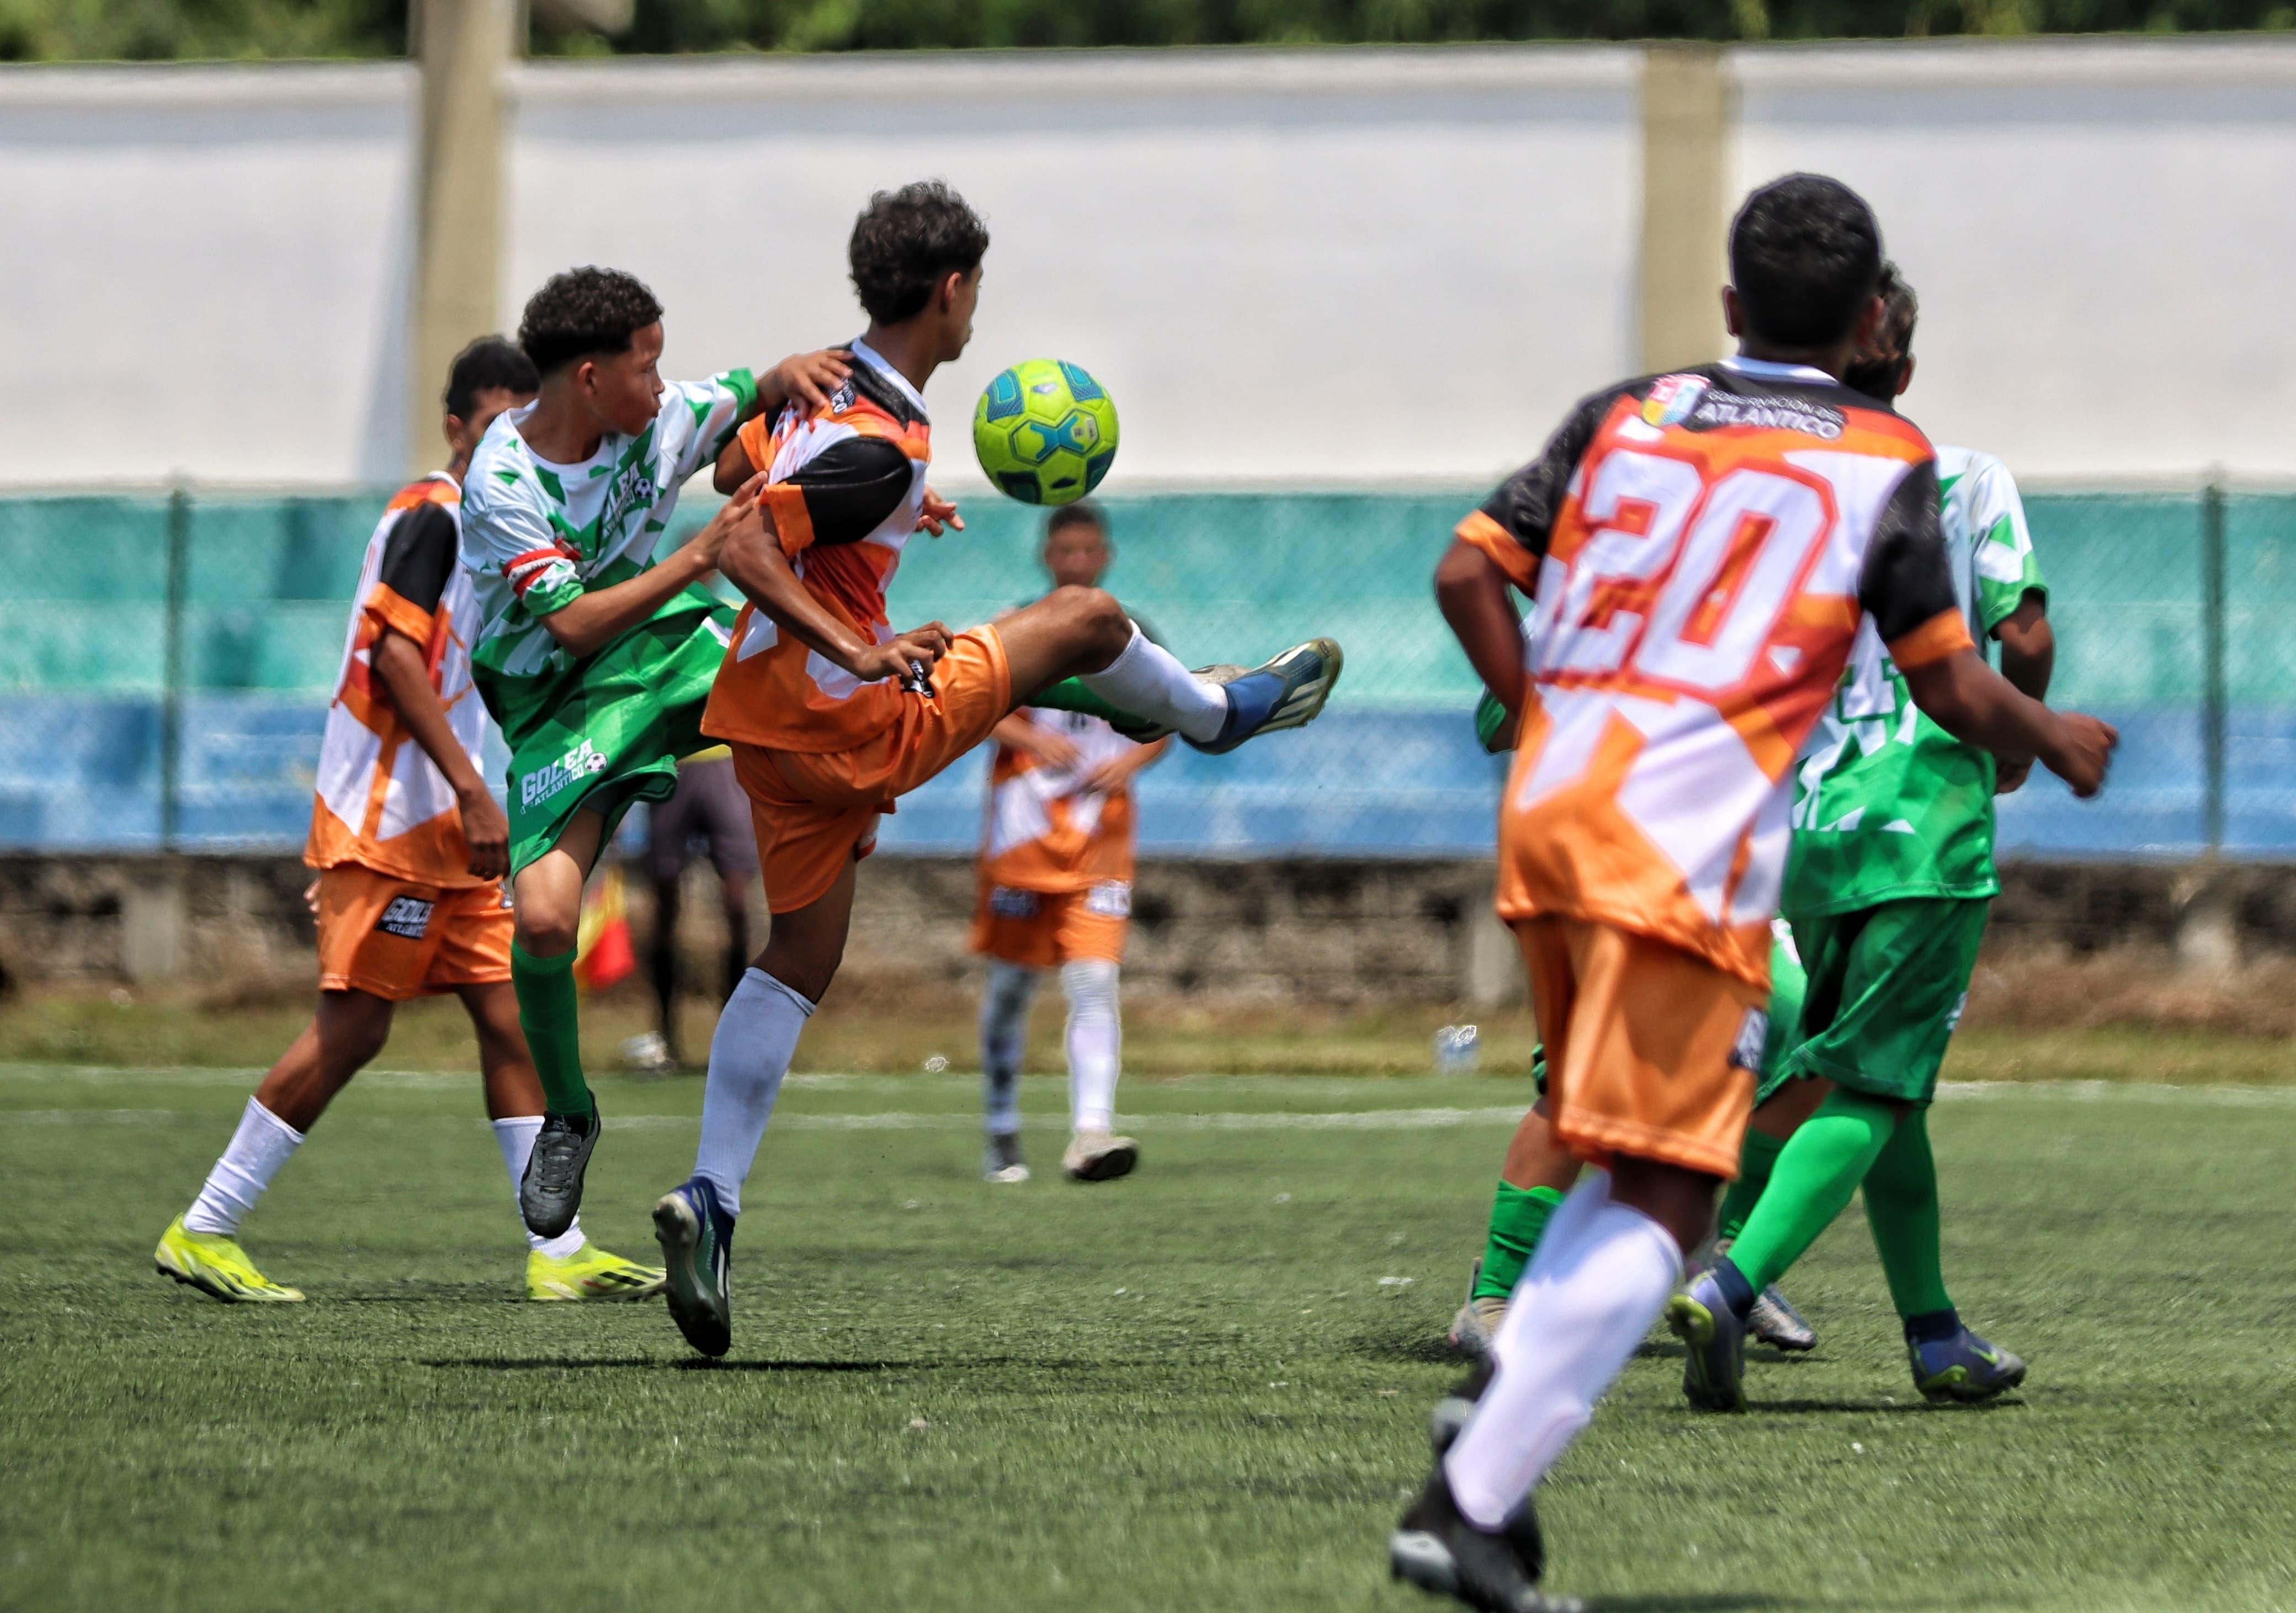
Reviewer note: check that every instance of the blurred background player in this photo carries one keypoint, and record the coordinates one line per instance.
(833, 716)
(1056, 857)
(1705, 549)
(411, 850)
(707, 815)
(1888, 887)
(596, 657)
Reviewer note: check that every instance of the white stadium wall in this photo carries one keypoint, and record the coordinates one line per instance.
(1286, 267)
(1332, 269)
(207, 272)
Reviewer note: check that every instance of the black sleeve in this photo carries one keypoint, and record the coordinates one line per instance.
(1907, 577)
(1526, 502)
(851, 486)
(419, 555)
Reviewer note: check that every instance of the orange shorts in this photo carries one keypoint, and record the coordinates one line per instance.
(1649, 1051)
(395, 939)
(817, 811)
(1045, 929)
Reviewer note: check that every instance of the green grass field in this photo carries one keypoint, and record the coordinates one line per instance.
(1202, 1388)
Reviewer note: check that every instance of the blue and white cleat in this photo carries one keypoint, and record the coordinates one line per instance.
(1963, 1369)
(696, 1236)
(1775, 1322)
(1285, 693)
(1714, 1340)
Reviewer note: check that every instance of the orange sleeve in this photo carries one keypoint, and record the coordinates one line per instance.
(757, 440)
(1942, 635)
(785, 501)
(1519, 564)
(387, 607)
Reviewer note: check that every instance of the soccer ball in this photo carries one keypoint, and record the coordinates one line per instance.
(1045, 431)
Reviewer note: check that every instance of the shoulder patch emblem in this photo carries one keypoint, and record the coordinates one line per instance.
(1672, 397)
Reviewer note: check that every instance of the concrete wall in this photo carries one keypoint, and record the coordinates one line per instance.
(1334, 266)
(207, 271)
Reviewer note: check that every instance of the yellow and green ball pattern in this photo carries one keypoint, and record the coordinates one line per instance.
(1045, 432)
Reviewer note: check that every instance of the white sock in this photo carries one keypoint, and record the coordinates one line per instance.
(515, 1137)
(1003, 1035)
(1599, 1281)
(1147, 679)
(1096, 1042)
(757, 1037)
(262, 1144)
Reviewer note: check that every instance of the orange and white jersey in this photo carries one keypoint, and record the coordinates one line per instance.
(382, 803)
(846, 492)
(1700, 548)
(1047, 829)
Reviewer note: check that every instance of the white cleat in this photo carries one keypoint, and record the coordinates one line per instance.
(1097, 1157)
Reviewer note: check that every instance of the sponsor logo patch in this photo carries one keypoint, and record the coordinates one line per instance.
(1004, 902)
(539, 786)
(1672, 397)
(1110, 900)
(1753, 1031)
(407, 918)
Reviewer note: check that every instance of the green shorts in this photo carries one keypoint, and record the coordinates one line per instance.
(1887, 985)
(614, 732)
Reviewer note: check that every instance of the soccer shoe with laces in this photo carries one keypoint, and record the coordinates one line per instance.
(590, 1272)
(1964, 1369)
(1476, 1323)
(216, 1265)
(696, 1236)
(1000, 1160)
(1714, 1342)
(1097, 1157)
(1285, 693)
(1436, 1548)
(1774, 1322)
(550, 1193)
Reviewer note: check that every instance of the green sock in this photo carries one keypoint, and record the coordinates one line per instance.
(1519, 1218)
(553, 1032)
(1901, 1206)
(1069, 694)
(1816, 1173)
(1758, 1156)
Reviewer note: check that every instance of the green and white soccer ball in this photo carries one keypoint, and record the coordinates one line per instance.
(1045, 431)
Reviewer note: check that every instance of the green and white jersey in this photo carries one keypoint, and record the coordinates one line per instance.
(536, 535)
(1887, 805)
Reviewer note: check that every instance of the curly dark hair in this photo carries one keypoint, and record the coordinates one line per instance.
(583, 312)
(1879, 371)
(1082, 513)
(906, 240)
(1805, 254)
(489, 363)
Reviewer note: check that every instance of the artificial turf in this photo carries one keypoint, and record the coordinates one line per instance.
(1202, 1387)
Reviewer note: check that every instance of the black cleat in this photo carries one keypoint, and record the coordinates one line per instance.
(1437, 1549)
(1449, 1417)
(550, 1193)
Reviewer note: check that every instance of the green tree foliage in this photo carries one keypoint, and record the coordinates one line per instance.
(179, 29)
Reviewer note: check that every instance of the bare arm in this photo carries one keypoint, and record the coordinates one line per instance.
(1017, 733)
(1471, 592)
(397, 663)
(2029, 655)
(754, 562)
(592, 620)
(1976, 704)
(807, 378)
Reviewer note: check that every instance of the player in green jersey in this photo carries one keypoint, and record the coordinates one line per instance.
(594, 658)
(1886, 889)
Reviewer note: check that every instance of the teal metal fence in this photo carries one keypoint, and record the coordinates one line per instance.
(166, 659)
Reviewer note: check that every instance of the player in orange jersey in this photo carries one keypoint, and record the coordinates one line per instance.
(411, 848)
(1056, 894)
(1701, 549)
(832, 715)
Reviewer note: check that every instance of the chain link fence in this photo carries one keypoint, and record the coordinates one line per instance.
(166, 660)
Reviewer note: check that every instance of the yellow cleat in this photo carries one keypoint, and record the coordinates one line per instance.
(217, 1266)
(590, 1272)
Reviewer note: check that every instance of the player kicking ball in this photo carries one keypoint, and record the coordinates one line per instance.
(1702, 550)
(1887, 886)
(1056, 894)
(595, 658)
(410, 849)
(832, 715)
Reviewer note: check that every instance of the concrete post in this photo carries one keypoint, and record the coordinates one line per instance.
(1685, 205)
(1490, 963)
(463, 47)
